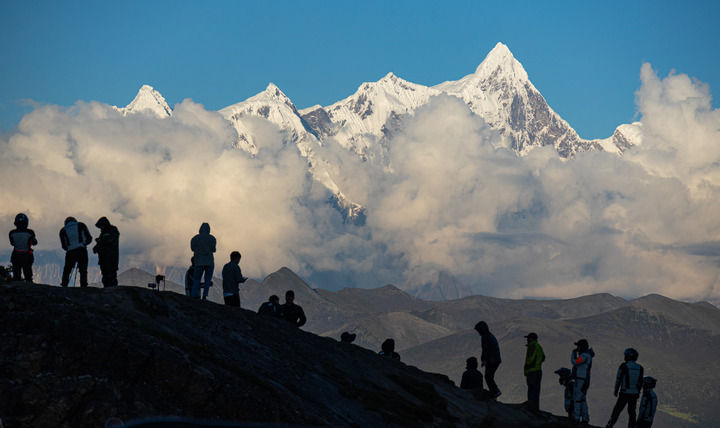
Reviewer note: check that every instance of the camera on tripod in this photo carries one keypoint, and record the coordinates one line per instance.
(156, 285)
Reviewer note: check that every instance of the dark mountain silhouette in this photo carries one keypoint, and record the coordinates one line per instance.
(74, 357)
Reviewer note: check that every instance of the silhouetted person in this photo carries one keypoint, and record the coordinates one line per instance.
(581, 359)
(271, 308)
(107, 247)
(388, 350)
(534, 357)
(347, 337)
(203, 247)
(74, 238)
(490, 357)
(22, 239)
(291, 312)
(628, 383)
(471, 378)
(232, 278)
(189, 275)
(648, 403)
(568, 382)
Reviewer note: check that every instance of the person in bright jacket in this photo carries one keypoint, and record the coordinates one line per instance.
(107, 247)
(203, 246)
(74, 239)
(232, 278)
(534, 357)
(490, 357)
(581, 359)
(22, 239)
(648, 403)
(628, 383)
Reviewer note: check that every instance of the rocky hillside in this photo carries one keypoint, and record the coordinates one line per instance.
(75, 357)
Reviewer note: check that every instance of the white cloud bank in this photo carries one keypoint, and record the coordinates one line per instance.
(448, 197)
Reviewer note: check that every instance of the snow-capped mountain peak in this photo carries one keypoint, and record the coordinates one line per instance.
(501, 61)
(147, 100)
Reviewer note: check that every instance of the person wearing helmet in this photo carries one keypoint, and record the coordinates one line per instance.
(581, 359)
(628, 383)
(648, 403)
(568, 382)
(74, 238)
(22, 239)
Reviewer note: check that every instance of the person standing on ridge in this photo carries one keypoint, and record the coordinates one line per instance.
(271, 308)
(471, 378)
(293, 313)
(568, 383)
(490, 357)
(628, 382)
(74, 238)
(203, 246)
(189, 274)
(107, 247)
(648, 403)
(581, 359)
(534, 357)
(232, 278)
(22, 239)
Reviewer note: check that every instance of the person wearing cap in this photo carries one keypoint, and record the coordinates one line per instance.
(472, 378)
(581, 359)
(347, 337)
(490, 357)
(271, 308)
(74, 239)
(22, 239)
(534, 357)
(628, 383)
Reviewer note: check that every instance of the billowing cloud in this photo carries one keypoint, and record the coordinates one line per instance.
(446, 195)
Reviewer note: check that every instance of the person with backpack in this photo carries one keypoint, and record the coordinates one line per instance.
(271, 308)
(22, 239)
(490, 357)
(628, 383)
(203, 246)
(471, 378)
(74, 238)
(581, 359)
(189, 274)
(534, 357)
(107, 247)
(387, 349)
(648, 403)
(232, 278)
(567, 381)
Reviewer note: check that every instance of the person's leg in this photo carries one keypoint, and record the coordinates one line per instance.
(69, 264)
(112, 276)
(619, 406)
(533, 392)
(233, 300)
(82, 258)
(632, 408)
(27, 266)
(578, 400)
(197, 274)
(490, 370)
(208, 280)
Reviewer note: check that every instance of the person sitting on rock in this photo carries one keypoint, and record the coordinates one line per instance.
(271, 307)
(388, 350)
(293, 313)
(347, 337)
(472, 378)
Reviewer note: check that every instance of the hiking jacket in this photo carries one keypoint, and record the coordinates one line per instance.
(582, 364)
(629, 378)
(490, 349)
(270, 309)
(232, 278)
(22, 240)
(74, 235)
(648, 405)
(294, 313)
(107, 245)
(534, 357)
(203, 246)
(471, 379)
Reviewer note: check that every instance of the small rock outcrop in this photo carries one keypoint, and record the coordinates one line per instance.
(74, 357)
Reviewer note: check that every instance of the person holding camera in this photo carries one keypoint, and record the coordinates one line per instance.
(74, 239)
(581, 360)
(232, 278)
(107, 247)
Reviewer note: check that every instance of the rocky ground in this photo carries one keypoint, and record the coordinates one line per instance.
(76, 357)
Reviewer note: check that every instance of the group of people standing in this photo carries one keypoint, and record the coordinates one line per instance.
(74, 239)
(629, 384)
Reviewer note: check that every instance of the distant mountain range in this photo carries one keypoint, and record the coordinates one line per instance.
(678, 342)
(499, 91)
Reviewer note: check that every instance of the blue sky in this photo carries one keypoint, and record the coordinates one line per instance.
(584, 57)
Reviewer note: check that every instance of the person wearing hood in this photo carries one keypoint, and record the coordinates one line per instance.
(490, 357)
(203, 246)
(74, 239)
(22, 239)
(534, 357)
(581, 359)
(107, 247)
